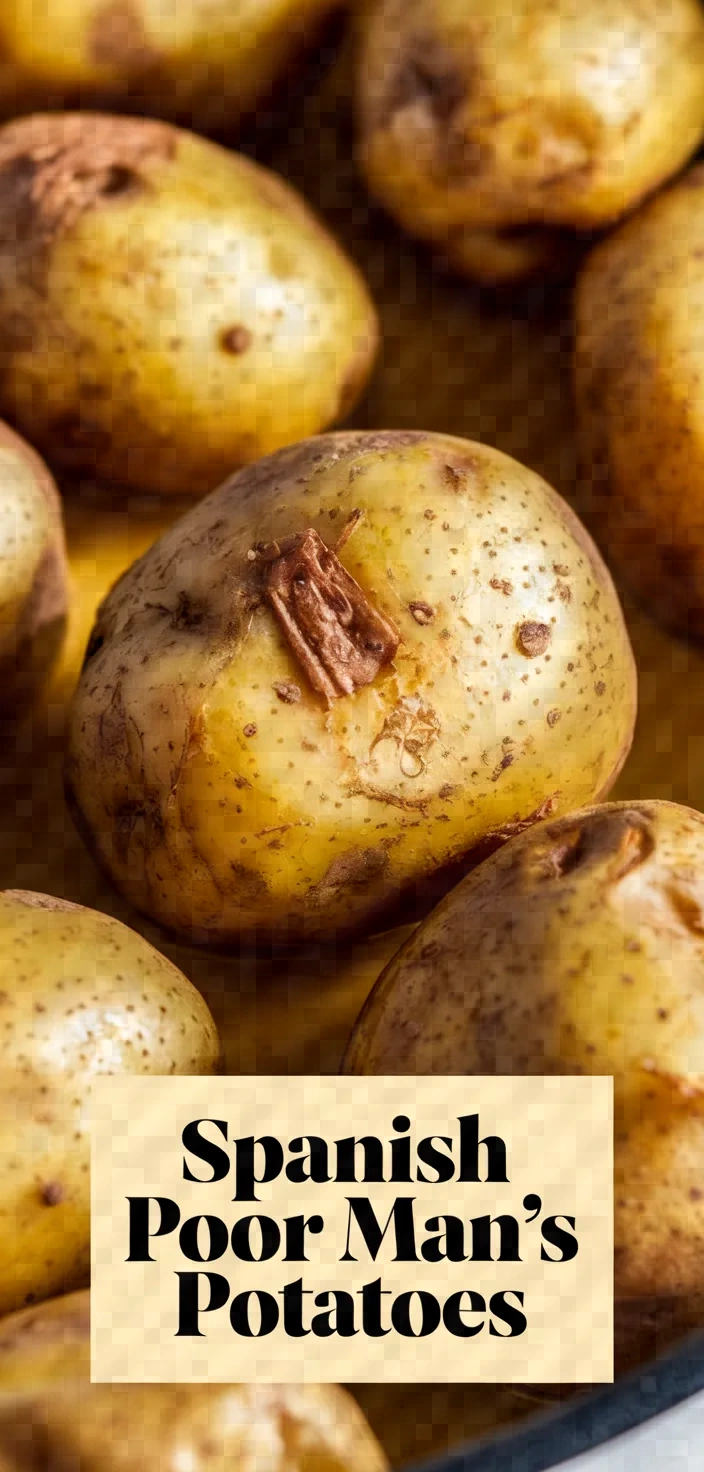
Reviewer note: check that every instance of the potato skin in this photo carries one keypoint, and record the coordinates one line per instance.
(586, 939)
(203, 63)
(49, 1409)
(492, 128)
(168, 309)
(221, 793)
(33, 572)
(81, 996)
(638, 373)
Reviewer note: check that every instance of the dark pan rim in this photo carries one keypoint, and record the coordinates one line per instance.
(556, 1436)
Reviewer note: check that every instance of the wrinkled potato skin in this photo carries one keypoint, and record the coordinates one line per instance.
(203, 63)
(168, 310)
(33, 571)
(491, 127)
(586, 938)
(220, 809)
(50, 1414)
(82, 996)
(638, 366)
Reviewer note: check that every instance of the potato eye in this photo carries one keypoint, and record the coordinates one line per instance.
(119, 180)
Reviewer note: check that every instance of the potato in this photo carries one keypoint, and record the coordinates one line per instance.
(51, 1416)
(586, 939)
(353, 664)
(33, 571)
(202, 62)
(495, 128)
(80, 996)
(168, 310)
(639, 362)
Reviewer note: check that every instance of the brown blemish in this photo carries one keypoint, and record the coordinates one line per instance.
(287, 691)
(502, 585)
(356, 870)
(422, 612)
(117, 37)
(506, 761)
(235, 340)
(686, 908)
(553, 717)
(338, 637)
(54, 167)
(53, 1193)
(426, 77)
(533, 639)
(251, 729)
(621, 840)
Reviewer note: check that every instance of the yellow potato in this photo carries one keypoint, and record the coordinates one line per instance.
(200, 62)
(33, 571)
(51, 1415)
(495, 128)
(80, 996)
(579, 948)
(639, 377)
(168, 310)
(273, 736)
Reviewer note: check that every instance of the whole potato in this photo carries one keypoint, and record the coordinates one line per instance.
(33, 571)
(494, 128)
(51, 1416)
(579, 948)
(354, 663)
(201, 62)
(168, 310)
(80, 996)
(640, 395)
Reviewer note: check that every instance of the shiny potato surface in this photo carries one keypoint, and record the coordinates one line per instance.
(495, 128)
(80, 996)
(168, 309)
(275, 737)
(579, 948)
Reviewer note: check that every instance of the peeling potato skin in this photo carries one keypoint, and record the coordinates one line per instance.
(587, 942)
(220, 810)
(496, 128)
(202, 63)
(51, 1416)
(638, 377)
(80, 996)
(33, 572)
(169, 310)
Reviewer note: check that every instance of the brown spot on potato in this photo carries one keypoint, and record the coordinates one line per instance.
(235, 340)
(501, 585)
(288, 691)
(533, 639)
(427, 76)
(553, 717)
(620, 839)
(117, 37)
(251, 729)
(53, 1193)
(53, 168)
(356, 870)
(687, 909)
(422, 612)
